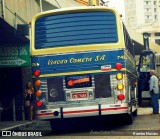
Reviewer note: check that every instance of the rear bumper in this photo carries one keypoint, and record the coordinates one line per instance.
(83, 111)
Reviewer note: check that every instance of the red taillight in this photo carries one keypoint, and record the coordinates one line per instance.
(121, 96)
(118, 66)
(36, 73)
(39, 103)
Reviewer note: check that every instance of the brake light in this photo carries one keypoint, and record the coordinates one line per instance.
(118, 66)
(39, 103)
(120, 96)
(37, 83)
(38, 93)
(37, 73)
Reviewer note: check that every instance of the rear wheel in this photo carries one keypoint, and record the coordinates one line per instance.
(57, 126)
(129, 119)
(61, 125)
(54, 125)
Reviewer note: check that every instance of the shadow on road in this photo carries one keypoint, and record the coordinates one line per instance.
(88, 125)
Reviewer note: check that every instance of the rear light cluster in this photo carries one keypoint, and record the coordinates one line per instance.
(38, 92)
(118, 66)
(121, 97)
(37, 73)
(120, 85)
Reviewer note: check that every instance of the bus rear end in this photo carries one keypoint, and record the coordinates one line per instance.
(80, 67)
(101, 83)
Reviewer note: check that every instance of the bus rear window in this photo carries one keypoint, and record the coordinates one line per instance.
(79, 28)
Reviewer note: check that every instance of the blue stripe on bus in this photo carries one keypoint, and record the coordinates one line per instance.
(83, 61)
(75, 29)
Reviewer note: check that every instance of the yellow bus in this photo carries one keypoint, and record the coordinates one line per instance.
(83, 65)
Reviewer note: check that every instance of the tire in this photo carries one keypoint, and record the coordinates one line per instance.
(129, 119)
(59, 126)
(56, 126)
(53, 125)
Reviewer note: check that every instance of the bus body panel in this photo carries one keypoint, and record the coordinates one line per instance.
(104, 104)
(84, 111)
(77, 62)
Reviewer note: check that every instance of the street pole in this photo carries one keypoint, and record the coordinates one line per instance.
(14, 110)
(41, 5)
(3, 9)
(146, 40)
(93, 2)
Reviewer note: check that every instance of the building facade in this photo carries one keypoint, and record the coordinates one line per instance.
(15, 68)
(144, 16)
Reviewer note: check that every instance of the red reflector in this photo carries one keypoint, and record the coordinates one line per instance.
(39, 103)
(121, 96)
(118, 66)
(36, 73)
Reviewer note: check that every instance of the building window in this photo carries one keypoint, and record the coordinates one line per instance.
(148, 9)
(155, 17)
(157, 34)
(157, 41)
(155, 3)
(146, 2)
(147, 17)
(155, 10)
(149, 34)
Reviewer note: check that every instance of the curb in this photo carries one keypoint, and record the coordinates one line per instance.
(16, 127)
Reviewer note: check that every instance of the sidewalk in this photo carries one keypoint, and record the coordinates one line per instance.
(10, 125)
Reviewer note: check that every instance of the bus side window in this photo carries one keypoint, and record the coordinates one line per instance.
(143, 64)
(143, 68)
(152, 62)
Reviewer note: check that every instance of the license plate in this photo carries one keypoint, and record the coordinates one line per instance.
(79, 95)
